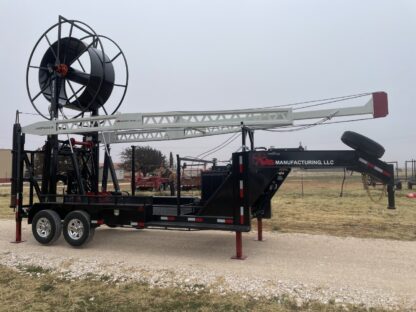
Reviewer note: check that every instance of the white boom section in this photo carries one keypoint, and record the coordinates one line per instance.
(223, 120)
(145, 127)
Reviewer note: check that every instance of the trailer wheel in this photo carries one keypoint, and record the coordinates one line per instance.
(363, 144)
(46, 226)
(77, 228)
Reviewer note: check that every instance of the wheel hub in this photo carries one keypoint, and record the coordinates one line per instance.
(62, 69)
(43, 227)
(75, 229)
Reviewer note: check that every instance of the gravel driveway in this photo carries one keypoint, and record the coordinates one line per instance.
(306, 267)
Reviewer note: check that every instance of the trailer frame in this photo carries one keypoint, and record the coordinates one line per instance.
(236, 195)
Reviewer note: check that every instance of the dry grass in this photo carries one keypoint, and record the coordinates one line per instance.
(24, 292)
(5, 211)
(321, 210)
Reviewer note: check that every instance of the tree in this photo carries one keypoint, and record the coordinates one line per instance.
(147, 159)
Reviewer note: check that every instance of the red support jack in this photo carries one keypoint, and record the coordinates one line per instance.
(238, 247)
(260, 230)
(18, 229)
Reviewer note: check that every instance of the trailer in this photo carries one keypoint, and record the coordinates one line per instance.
(152, 183)
(231, 195)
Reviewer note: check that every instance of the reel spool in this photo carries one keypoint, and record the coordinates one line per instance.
(74, 73)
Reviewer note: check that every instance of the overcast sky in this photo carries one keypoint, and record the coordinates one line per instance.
(206, 55)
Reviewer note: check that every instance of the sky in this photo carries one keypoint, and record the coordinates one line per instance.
(234, 54)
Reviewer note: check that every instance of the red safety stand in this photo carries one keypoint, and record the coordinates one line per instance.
(18, 230)
(239, 247)
(260, 230)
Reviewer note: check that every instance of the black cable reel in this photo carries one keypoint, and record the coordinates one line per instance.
(71, 70)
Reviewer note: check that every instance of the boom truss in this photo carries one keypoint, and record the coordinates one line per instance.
(145, 127)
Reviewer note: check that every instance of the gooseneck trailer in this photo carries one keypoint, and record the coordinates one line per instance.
(231, 195)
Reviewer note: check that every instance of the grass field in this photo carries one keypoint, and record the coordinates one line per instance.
(322, 211)
(45, 292)
(5, 211)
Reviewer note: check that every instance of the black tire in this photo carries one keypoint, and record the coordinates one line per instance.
(46, 226)
(409, 185)
(77, 228)
(363, 144)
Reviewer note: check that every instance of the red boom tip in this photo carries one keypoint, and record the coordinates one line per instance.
(380, 105)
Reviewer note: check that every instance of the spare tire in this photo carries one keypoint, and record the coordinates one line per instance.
(363, 144)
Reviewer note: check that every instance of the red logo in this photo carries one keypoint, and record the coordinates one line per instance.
(263, 161)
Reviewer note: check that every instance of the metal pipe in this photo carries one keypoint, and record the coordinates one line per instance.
(19, 185)
(31, 169)
(75, 165)
(178, 184)
(18, 227)
(13, 187)
(243, 138)
(260, 229)
(251, 137)
(104, 180)
(133, 170)
(95, 150)
(390, 195)
(53, 139)
(238, 247)
(116, 185)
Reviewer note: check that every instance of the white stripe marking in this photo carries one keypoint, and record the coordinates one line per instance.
(220, 220)
(241, 211)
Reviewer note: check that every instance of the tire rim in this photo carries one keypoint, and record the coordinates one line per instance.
(75, 229)
(43, 227)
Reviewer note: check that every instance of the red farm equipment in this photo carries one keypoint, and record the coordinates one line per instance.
(152, 183)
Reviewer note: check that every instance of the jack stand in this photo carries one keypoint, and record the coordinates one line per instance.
(260, 230)
(239, 247)
(18, 230)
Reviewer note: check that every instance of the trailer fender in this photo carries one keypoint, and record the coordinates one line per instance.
(38, 207)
